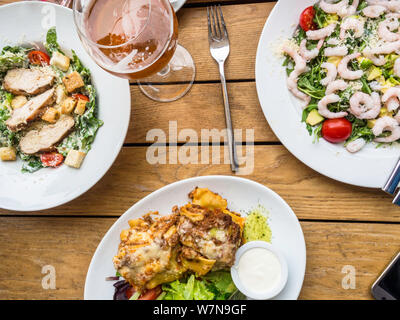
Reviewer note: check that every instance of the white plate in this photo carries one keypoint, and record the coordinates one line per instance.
(368, 168)
(242, 195)
(48, 188)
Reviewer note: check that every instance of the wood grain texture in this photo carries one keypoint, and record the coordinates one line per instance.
(201, 108)
(68, 244)
(244, 23)
(311, 195)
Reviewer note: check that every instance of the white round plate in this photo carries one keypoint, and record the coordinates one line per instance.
(48, 188)
(370, 167)
(242, 195)
(177, 4)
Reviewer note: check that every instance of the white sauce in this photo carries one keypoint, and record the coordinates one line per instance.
(259, 270)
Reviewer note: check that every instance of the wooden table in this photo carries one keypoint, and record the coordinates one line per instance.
(343, 225)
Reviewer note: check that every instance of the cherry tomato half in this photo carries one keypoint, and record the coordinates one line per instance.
(129, 292)
(51, 159)
(79, 96)
(336, 130)
(39, 58)
(151, 294)
(307, 19)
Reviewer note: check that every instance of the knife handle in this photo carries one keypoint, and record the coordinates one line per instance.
(393, 181)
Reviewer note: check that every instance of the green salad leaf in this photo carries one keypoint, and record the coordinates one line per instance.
(191, 289)
(31, 163)
(13, 57)
(217, 285)
(51, 43)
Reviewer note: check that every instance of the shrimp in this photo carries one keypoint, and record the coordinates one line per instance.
(336, 51)
(397, 117)
(333, 41)
(331, 73)
(386, 48)
(321, 33)
(300, 67)
(391, 99)
(386, 27)
(345, 72)
(333, 7)
(356, 145)
(386, 124)
(396, 67)
(378, 61)
(392, 104)
(374, 11)
(348, 11)
(376, 54)
(310, 54)
(336, 86)
(352, 24)
(323, 107)
(374, 112)
(390, 5)
(393, 6)
(364, 106)
(393, 92)
(360, 101)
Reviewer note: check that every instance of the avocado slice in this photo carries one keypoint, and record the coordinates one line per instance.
(373, 73)
(365, 63)
(371, 123)
(314, 118)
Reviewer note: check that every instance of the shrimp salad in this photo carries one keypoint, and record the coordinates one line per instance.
(343, 64)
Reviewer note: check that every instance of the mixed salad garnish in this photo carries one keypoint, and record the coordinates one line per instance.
(343, 63)
(186, 255)
(48, 107)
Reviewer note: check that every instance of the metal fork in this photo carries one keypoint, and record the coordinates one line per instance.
(219, 49)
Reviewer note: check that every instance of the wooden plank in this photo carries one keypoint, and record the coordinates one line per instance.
(311, 195)
(244, 22)
(28, 244)
(201, 108)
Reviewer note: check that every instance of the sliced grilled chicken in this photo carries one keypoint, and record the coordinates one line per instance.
(47, 137)
(28, 81)
(30, 110)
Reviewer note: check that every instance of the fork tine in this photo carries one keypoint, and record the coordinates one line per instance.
(222, 21)
(213, 25)
(218, 23)
(209, 23)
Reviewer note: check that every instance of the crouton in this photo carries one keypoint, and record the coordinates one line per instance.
(51, 115)
(68, 105)
(18, 102)
(60, 61)
(75, 158)
(73, 81)
(81, 107)
(8, 154)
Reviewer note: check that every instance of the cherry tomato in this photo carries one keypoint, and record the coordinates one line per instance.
(39, 58)
(336, 130)
(307, 19)
(51, 159)
(79, 96)
(151, 294)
